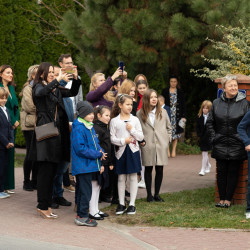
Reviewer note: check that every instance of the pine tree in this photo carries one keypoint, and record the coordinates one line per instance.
(7, 48)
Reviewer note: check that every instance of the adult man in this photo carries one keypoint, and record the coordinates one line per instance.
(65, 61)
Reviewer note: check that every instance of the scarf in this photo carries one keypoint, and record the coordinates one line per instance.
(140, 103)
(88, 125)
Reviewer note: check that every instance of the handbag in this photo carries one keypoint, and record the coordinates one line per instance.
(47, 130)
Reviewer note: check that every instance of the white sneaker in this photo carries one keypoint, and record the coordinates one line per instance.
(142, 184)
(207, 170)
(247, 215)
(4, 195)
(9, 191)
(202, 173)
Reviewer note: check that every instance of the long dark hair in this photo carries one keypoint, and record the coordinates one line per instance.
(121, 98)
(146, 108)
(42, 69)
(2, 69)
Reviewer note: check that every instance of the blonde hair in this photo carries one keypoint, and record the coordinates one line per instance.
(205, 103)
(109, 96)
(126, 87)
(31, 71)
(3, 93)
(138, 76)
(228, 78)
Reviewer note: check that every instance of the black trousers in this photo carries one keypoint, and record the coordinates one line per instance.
(3, 167)
(227, 177)
(158, 179)
(45, 176)
(29, 165)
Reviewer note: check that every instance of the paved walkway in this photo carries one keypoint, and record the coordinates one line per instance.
(21, 228)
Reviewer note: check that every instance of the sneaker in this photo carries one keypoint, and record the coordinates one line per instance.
(202, 173)
(131, 210)
(62, 201)
(70, 188)
(207, 170)
(141, 184)
(120, 209)
(4, 195)
(247, 215)
(85, 222)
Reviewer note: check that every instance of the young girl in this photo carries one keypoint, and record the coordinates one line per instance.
(141, 86)
(202, 134)
(157, 131)
(125, 131)
(128, 87)
(86, 156)
(101, 180)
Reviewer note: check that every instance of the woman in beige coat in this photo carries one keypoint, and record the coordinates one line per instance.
(157, 131)
(27, 116)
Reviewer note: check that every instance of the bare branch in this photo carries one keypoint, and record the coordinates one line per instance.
(81, 5)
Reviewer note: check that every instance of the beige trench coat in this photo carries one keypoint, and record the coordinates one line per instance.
(157, 138)
(28, 111)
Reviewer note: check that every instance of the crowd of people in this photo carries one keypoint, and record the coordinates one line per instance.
(119, 134)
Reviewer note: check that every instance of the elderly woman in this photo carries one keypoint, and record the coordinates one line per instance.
(100, 89)
(48, 99)
(227, 147)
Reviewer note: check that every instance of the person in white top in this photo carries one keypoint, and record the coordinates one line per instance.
(126, 131)
(201, 131)
(157, 131)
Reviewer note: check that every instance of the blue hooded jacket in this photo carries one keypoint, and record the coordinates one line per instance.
(85, 149)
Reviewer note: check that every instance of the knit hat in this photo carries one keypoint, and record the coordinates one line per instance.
(84, 108)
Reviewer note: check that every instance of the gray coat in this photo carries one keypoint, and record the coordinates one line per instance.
(157, 139)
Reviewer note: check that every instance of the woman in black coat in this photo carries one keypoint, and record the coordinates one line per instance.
(47, 97)
(227, 147)
(174, 98)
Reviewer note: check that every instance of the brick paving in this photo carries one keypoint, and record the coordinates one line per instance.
(19, 223)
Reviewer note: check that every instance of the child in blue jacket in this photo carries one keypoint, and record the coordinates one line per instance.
(86, 159)
(244, 133)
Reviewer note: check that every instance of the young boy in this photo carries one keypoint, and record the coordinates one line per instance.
(244, 133)
(164, 106)
(86, 159)
(6, 139)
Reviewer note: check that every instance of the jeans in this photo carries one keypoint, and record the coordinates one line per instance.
(58, 180)
(248, 184)
(83, 193)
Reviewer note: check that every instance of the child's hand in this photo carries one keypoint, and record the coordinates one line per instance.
(104, 155)
(142, 144)
(247, 148)
(128, 139)
(111, 167)
(9, 145)
(129, 126)
(102, 169)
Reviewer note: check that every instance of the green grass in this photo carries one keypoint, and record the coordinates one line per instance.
(19, 158)
(187, 149)
(193, 208)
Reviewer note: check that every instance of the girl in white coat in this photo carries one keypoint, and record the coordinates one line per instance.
(157, 131)
(126, 131)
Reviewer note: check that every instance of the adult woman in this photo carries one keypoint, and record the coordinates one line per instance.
(99, 89)
(47, 96)
(27, 117)
(174, 98)
(227, 147)
(6, 81)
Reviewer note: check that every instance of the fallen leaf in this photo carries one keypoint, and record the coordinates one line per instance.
(171, 222)
(243, 221)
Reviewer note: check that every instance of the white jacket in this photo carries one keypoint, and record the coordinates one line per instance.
(119, 133)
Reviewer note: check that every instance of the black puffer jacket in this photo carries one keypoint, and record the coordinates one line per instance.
(222, 123)
(103, 134)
